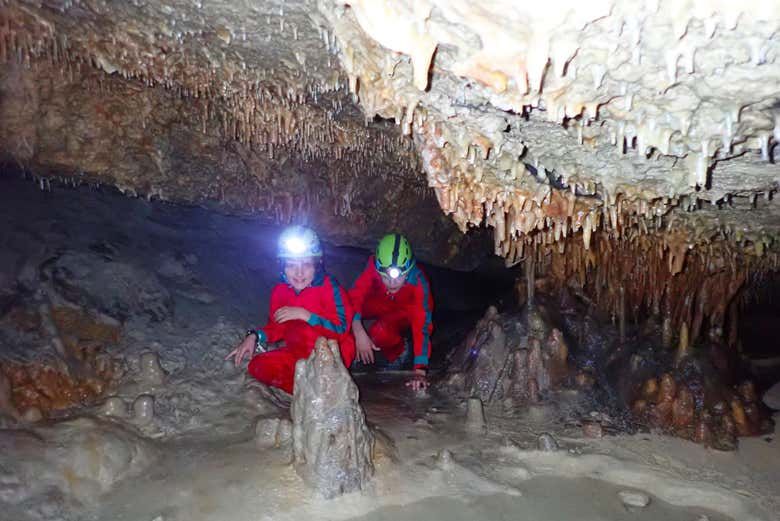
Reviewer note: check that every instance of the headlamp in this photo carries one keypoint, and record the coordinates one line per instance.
(394, 273)
(295, 245)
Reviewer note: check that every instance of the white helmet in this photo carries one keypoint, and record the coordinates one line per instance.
(298, 242)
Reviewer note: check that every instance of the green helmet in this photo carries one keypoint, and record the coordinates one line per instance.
(394, 255)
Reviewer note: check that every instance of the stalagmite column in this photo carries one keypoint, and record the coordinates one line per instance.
(683, 347)
(331, 443)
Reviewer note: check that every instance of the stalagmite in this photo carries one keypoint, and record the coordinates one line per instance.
(114, 406)
(151, 371)
(475, 416)
(143, 409)
(683, 347)
(332, 444)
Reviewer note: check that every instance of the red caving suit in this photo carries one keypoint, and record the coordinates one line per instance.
(409, 308)
(331, 317)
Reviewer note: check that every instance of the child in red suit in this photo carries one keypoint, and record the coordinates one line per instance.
(307, 304)
(393, 293)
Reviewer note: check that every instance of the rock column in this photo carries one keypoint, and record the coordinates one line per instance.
(332, 445)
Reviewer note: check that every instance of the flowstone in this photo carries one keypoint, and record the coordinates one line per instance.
(332, 445)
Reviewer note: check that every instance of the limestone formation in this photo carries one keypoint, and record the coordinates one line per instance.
(272, 432)
(6, 402)
(151, 371)
(501, 358)
(119, 289)
(143, 409)
(608, 120)
(114, 406)
(332, 444)
(81, 458)
(771, 397)
(475, 416)
(634, 498)
(715, 417)
(546, 443)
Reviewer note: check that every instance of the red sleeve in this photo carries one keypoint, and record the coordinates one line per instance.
(272, 331)
(335, 313)
(361, 287)
(421, 319)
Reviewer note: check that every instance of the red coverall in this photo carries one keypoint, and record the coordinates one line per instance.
(409, 308)
(331, 317)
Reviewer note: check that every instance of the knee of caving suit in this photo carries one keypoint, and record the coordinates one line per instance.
(275, 368)
(387, 335)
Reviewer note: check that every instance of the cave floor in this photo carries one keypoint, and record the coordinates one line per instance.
(199, 459)
(495, 475)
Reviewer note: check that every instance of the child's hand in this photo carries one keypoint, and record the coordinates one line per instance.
(286, 313)
(419, 381)
(244, 349)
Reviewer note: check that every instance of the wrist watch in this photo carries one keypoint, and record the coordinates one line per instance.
(250, 332)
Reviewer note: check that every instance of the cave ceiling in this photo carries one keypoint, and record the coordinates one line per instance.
(545, 123)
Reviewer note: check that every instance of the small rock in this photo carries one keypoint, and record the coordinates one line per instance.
(272, 432)
(475, 415)
(151, 371)
(634, 498)
(143, 409)
(772, 397)
(265, 432)
(444, 458)
(32, 415)
(591, 429)
(546, 443)
(285, 432)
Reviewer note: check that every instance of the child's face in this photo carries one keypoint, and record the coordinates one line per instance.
(393, 284)
(300, 272)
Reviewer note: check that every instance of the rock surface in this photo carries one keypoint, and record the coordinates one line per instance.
(634, 498)
(332, 444)
(546, 443)
(614, 118)
(517, 356)
(772, 397)
(82, 458)
(118, 289)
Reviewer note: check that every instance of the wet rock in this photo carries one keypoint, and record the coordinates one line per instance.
(332, 445)
(114, 406)
(518, 356)
(272, 432)
(475, 416)
(772, 397)
(584, 380)
(444, 458)
(115, 288)
(32, 415)
(151, 372)
(143, 409)
(80, 458)
(546, 443)
(384, 446)
(634, 498)
(6, 404)
(592, 429)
